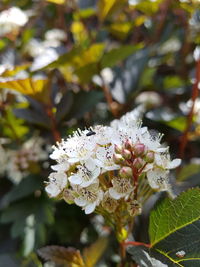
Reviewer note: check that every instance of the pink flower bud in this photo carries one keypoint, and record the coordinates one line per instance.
(118, 148)
(126, 154)
(149, 157)
(139, 149)
(118, 159)
(138, 163)
(128, 144)
(125, 172)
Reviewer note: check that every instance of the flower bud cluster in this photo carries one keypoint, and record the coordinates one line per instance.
(107, 169)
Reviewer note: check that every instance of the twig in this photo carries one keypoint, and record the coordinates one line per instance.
(51, 116)
(122, 254)
(135, 243)
(195, 92)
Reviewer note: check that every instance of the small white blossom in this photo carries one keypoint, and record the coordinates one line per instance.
(87, 173)
(149, 98)
(158, 179)
(55, 35)
(12, 19)
(57, 182)
(121, 188)
(79, 147)
(89, 197)
(104, 158)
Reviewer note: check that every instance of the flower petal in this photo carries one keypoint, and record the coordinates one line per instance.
(90, 208)
(114, 194)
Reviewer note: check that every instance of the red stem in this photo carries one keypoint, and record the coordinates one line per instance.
(135, 243)
(195, 92)
(55, 132)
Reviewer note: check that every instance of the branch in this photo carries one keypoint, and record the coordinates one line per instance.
(195, 92)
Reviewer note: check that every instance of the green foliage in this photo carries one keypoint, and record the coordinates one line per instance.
(174, 228)
(100, 64)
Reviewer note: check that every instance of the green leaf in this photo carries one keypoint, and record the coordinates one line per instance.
(12, 126)
(174, 227)
(110, 58)
(81, 106)
(144, 258)
(61, 255)
(178, 123)
(93, 253)
(107, 8)
(29, 218)
(26, 187)
(34, 116)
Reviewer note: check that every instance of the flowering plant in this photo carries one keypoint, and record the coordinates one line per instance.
(111, 170)
(106, 194)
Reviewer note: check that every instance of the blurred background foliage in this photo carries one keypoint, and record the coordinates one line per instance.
(74, 63)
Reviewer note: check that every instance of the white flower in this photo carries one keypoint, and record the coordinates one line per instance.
(55, 35)
(104, 158)
(158, 179)
(106, 74)
(89, 197)
(64, 166)
(149, 98)
(57, 182)
(163, 161)
(105, 135)
(121, 188)
(87, 173)
(12, 19)
(130, 121)
(79, 147)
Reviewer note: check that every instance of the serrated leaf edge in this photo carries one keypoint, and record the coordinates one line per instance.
(182, 226)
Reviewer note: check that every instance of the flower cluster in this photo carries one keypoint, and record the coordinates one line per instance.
(25, 160)
(110, 169)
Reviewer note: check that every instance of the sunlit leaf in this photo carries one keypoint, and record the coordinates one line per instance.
(178, 123)
(148, 7)
(13, 127)
(108, 59)
(107, 8)
(13, 71)
(37, 89)
(93, 253)
(120, 29)
(81, 59)
(171, 82)
(84, 13)
(62, 255)
(58, 2)
(79, 32)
